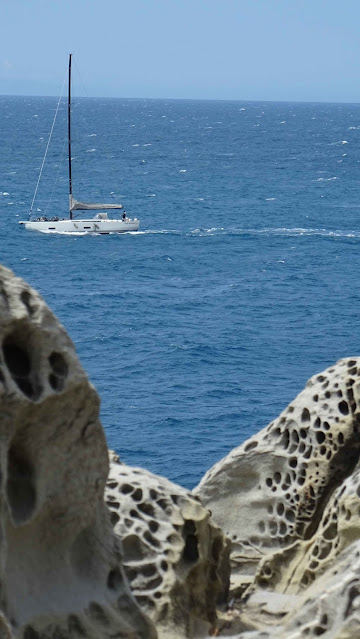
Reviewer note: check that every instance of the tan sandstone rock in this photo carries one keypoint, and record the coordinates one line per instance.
(288, 498)
(175, 558)
(273, 490)
(61, 573)
(329, 607)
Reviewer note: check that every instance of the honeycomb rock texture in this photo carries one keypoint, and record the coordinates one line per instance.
(61, 573)
(283, 485)
(329, 608)
(92, 550)
(175, 558)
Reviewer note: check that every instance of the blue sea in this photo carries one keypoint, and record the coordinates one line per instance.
(242, 282)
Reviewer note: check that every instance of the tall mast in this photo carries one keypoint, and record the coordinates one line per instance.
(69, 134)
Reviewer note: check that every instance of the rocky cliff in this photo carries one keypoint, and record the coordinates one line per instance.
(266, 546)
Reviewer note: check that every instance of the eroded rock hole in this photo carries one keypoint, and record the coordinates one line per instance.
(147, 509)
(216, 548)
(126, 489)
(114, 518)
(26, 300)
(134, 549)
(20, 486)
(154, 542)
(250, 446)
(285, 440)
(344, 408)
(137, 495)
(59, 372)
(56, 383)
(114, 580)
(163, 504)
(19, 364)
(58, 364)
(154, 526)
(149, 570)
(305, 416)
(330, 532)
(190, 552)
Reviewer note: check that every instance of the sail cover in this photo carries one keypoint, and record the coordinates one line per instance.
(88, 206)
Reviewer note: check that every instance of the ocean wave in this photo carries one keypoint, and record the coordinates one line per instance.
(296, 231)
(326, 179)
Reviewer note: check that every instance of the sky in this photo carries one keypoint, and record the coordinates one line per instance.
(285, 50)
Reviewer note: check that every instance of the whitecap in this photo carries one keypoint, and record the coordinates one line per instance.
(148, 144)
(136, 144)
(344, 142)
(326, 179)
(270, 199)
(90, 150)
(151, 195)
(283, 122)
(182, 171)
(23, 259)
(92, 135)
(5, 193)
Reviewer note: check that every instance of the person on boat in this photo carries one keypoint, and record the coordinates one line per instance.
(124, 216)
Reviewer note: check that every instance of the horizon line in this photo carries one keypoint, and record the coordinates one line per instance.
(247, 100)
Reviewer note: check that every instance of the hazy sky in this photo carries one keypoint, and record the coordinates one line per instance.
(304, 50)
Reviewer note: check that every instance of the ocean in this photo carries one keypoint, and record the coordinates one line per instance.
(242, 282)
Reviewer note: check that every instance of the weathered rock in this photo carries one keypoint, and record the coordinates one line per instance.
(273, 490)
(61, 571)
(175, 558)
(288, 498)
(330, 607)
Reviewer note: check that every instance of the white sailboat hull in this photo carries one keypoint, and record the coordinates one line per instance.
(83, 226)
(100, 224)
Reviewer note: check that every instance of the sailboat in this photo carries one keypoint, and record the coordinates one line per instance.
(100, 224)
